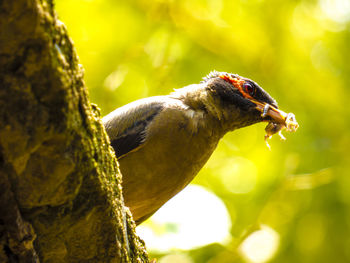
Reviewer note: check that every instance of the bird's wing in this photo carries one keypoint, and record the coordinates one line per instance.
(126, 126)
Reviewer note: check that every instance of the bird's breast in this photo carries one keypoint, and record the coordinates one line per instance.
(175, 149)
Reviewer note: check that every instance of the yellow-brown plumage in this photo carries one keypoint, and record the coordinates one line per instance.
(162, 142)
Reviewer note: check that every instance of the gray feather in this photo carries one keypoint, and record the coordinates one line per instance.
(126, 126)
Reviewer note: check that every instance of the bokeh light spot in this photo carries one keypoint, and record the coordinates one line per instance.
(193, 218)
(336, 10)
(176, 258)
(260, 246)
(116, 78)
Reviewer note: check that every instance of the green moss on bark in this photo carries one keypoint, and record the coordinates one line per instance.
(59, 176)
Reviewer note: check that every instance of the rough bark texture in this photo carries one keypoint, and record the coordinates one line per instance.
(60, 193)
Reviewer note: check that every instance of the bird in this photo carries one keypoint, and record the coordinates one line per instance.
(162, 142)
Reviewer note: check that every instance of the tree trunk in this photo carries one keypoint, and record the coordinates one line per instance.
(60, 192)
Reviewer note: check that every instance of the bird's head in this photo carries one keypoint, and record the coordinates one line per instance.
(233, 100)
(239, 101)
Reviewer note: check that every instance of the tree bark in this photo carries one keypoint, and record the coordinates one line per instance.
(60, 192)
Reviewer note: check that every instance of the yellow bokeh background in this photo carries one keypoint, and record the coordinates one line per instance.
(297, 194)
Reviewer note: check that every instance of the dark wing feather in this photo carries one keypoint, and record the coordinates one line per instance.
(126, 143)
(126, 126)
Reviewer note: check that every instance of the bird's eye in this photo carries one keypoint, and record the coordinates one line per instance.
(249, 88)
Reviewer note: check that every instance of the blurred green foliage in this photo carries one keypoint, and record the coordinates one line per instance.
(296, 50)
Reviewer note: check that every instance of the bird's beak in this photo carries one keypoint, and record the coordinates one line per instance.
(278, 116)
